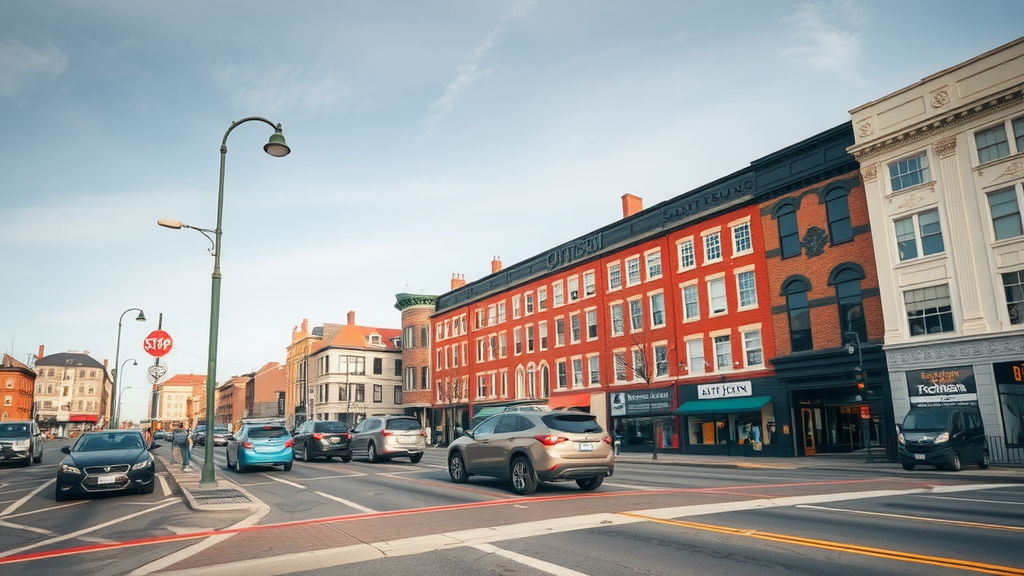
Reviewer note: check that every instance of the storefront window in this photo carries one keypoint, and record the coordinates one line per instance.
(1011, 403)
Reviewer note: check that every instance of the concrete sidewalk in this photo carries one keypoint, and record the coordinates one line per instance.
(222, 495)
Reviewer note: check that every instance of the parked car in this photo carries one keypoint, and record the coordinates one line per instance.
(384, 437)
(199, 435)
(159, 435)
(531, 447)
(220, 435)
(322, 439)
(259, 444)
(944, 437)
(106, 461)
(21, 440)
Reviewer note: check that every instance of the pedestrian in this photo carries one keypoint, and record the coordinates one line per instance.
(182, 439)
(148, 436)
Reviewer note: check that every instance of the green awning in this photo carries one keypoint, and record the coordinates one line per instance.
(724, 405)
(489, 411)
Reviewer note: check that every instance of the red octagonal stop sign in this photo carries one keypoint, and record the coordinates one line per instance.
(157, 343)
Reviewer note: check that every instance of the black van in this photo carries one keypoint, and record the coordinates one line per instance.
(944, 437)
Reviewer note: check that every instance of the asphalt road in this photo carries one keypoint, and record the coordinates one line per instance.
(397, 517)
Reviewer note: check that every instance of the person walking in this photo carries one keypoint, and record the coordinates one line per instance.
(182, 439)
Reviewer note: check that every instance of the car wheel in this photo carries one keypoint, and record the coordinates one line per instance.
(371, 452)
(38, 459)
(523, 480)
(346, 458)
(955, 465)
(908, 465)
(305, 452)
(148, 488)
(59, 495)
(984, 461)
(590, 483)
(287, 466)
(414, 458)
(457, 468)
(227, 457)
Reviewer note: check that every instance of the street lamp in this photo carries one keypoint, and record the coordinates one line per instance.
(117, 358)
(277, 148)
(120, 369)
(860, 376)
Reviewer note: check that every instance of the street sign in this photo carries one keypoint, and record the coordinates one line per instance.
(157, 343)
(156, 372)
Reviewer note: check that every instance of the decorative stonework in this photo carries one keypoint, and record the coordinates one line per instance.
(912, 200)
(950, 353)
(945, 147)
(814, 241)
(865, 129)
(1015, 170)
(869, 172)
(940, 99)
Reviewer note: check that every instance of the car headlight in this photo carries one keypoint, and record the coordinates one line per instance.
(942, 438)
(147, 463)
(21, 444)
(899, 436)
(69, 469)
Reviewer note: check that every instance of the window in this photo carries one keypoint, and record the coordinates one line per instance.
(577, 372)
(716, 296)
(517, 306)
(501, 311)
(636, 315)
(360, 393)
(846, 279)
(574, 289)
(992, 144)
(503, 344)
(1005, 213)
(660, 360)
(378, 393)
(574, 327)
(589, 284)
(929, 310)
(752, 348)
(529, 302)
(837, 206)
(789, 232)
(614, 276)
(741, 238)
(543, 327)
(398, 367)
(654, 264)
(517, 340)
(560, 369)
(481, 386)
(909, 172)
(617, 320)
(691, 302)
(686, 257)
(529, 339)
(712, 247)
(558, 294)
(398, 395)
(409, 339)
(619, 360)
(1013, 289)
(378, 365)
(594, 368)
(545, 381)
(591, 324)
(424, 373)
(639, 365)
(747, 288)
(930, 242)
(542, 298)
(632, 271)
(657, 310)
(723, 353)
(559, 331)
(795, 291)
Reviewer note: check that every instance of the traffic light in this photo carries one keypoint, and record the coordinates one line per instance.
(860, 380)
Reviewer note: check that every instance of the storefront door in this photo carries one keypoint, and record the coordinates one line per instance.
(807, 432)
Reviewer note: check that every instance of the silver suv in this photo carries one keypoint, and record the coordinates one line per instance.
(531, 447)
(21, 440)
(382, 437)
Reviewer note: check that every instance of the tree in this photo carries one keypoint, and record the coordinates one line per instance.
(646, 365)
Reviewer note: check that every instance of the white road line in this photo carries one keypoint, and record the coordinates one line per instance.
(48, 509)
(348, 503)
(165, 488)
(631, 487)
(43, 531)
(977, 500)
(282, 481)
(336, 477)
(529, 561)
(25, 498)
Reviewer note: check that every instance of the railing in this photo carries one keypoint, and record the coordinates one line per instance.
(998, 452)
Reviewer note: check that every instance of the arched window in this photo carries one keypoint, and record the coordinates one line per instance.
(520, 382)
(531, 381)
(837, 206)
(545, 381)
(846, 278)
(784, 214)
(795, 290)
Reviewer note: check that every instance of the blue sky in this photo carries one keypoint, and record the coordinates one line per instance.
(427, 138)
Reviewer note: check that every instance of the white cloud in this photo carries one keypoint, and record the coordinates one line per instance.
(22, 66)
(824, 42)
(281, 88)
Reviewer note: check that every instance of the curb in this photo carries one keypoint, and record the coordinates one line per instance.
(224, 495)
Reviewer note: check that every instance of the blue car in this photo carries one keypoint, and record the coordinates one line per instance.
(260, 445)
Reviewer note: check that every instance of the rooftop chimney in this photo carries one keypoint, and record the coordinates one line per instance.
(40, 352)
(458, 281)
(305, 325)
(496, 264)
(631, 205)
(351, 317)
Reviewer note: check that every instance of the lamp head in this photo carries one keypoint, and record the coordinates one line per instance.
(276, 147)
(172, 224)
(141, 317)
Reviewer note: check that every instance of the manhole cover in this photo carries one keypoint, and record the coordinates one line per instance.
(228, 496)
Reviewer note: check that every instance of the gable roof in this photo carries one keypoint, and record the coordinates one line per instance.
(355, 336)
(69, 359)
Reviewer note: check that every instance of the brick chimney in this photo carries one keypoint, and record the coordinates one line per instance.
(40, 352)
(458, 281)
(351, 317)
(305, 325)
(496, 264)
(631, 205)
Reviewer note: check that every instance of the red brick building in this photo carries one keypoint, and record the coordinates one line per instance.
(18, 382)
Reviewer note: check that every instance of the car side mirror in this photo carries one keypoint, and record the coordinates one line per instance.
(66, 449)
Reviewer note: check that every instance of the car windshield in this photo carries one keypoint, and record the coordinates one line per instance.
(330, 427)
(268, 432)
(98, 442)
(220, 430)
(925, 420)
(14, 430)
(403, 424)
(573, 423)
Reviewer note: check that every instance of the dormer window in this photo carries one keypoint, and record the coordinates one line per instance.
(375, 340)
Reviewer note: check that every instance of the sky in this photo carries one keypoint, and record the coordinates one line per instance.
(427, 138)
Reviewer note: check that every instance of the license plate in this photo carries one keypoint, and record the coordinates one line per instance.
(335, 440)
(585, 446)
(406, 439)
(919, 456)
(108, 479)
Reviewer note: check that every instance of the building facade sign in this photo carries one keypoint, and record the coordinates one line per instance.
(642, 403)
(942, 387)
(577, 250)
(724, 390)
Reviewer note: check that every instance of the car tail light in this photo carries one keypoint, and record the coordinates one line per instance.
(247, 445)
(550, 439)
(318, 436)
(423, 433)
(386, 433)
(347, 435)
(607, 440)
(289, 442)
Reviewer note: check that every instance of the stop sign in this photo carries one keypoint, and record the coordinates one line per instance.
(157, 343)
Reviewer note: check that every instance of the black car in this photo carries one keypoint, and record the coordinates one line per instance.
(322, 439)
(199, 436)
(106, 461)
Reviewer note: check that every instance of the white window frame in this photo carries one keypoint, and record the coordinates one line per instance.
(633, 274)
(634, 315)
(654, 297)
(594, 370)
(914, 220)
(557, 294)
(712, 243)
(748, 336)
(695, 364)
(685, 252)
(652, 264)
(612, 286)
(691, 287)
(716, 280)
(740, 274)
(723, 351)
(735, 230)
(617, 329)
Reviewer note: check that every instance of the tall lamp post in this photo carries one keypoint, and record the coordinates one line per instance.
(277, 148)
(120, 369)
(117, 358)
(860, 376)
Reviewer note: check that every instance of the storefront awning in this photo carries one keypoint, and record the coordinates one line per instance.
(84, 418)
(488, 411)
(575, 400)
(724, 405)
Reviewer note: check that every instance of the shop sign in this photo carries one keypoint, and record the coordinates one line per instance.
(724, 390)
(1008, 372)
(942, 387)
(642, 402)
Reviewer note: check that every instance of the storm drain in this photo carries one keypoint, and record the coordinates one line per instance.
(224, 496)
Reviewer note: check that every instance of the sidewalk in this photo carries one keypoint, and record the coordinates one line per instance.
(222, 495)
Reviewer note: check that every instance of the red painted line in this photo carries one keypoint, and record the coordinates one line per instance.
(505, 501)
